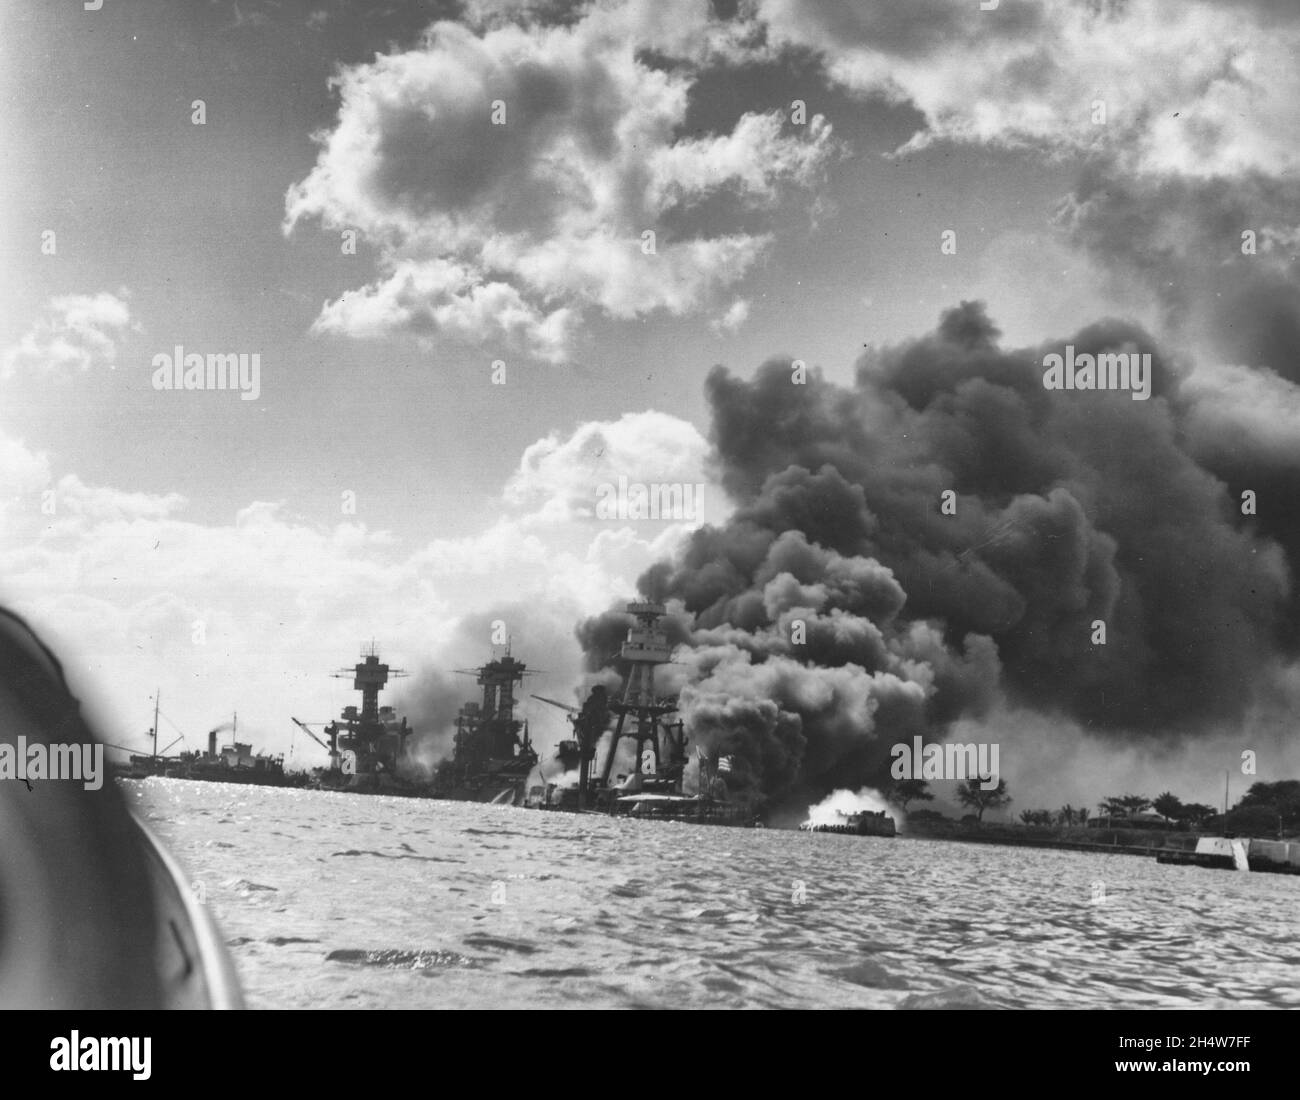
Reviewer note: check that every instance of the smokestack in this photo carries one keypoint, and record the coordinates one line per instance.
(212, 742)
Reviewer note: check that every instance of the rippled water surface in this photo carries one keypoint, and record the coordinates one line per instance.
(335, 900)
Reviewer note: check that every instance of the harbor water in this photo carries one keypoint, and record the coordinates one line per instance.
(332, 900)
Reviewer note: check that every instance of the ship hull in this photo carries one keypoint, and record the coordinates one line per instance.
(501, 795)
(249, 778)
(241, 776)
(858, 830)
(654, 807)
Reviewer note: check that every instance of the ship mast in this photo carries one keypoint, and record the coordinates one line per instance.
(647, 645)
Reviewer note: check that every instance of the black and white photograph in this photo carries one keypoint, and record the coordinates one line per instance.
(650, 504)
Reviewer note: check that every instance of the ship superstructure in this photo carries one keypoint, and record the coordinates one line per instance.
(653, 786)
(235, 763)
(492, 753)
(365, 744)
(642, 716)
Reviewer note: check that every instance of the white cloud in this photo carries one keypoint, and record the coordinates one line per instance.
(72, 496)
(21, 470)
(78, 331)
(504, 236)
(508, 232)
(737, 314)
(558, 479)
(437, 297)
(752, 159)
(625, 282)
(1197, 88)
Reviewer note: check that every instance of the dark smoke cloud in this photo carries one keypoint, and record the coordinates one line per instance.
(1183, 239)
(1071, 507)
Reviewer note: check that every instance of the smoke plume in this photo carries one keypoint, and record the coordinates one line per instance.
(841, 609)
(829, 809)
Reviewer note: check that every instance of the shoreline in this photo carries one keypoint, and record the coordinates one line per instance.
(1114, 848)
(1108, 841)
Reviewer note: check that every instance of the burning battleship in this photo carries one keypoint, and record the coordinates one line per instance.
(654, 787)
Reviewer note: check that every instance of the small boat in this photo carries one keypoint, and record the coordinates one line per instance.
(194, 967)
(862, 823)
(97, 914)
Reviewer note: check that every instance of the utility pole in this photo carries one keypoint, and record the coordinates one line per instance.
(156, 694)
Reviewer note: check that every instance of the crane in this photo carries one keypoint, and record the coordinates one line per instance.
(332, 750)
(588, 723)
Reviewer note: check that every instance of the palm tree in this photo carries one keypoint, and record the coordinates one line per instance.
(972, 794)
(1167, 805)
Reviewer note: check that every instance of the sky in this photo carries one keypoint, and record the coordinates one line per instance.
(462, 333)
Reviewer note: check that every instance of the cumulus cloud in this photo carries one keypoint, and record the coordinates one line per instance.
(78, 331)
(559, 477)
(22, 470)
(504, 233)
(437, 297)
(97, 502)
(1194, 88)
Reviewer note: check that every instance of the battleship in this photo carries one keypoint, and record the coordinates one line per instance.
(492, 754)
(653, 788)
(366, 744)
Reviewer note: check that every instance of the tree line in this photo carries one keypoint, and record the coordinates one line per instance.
(1265, 807)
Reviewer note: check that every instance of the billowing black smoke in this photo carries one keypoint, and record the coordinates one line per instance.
(840, 610)
(1221, 261)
